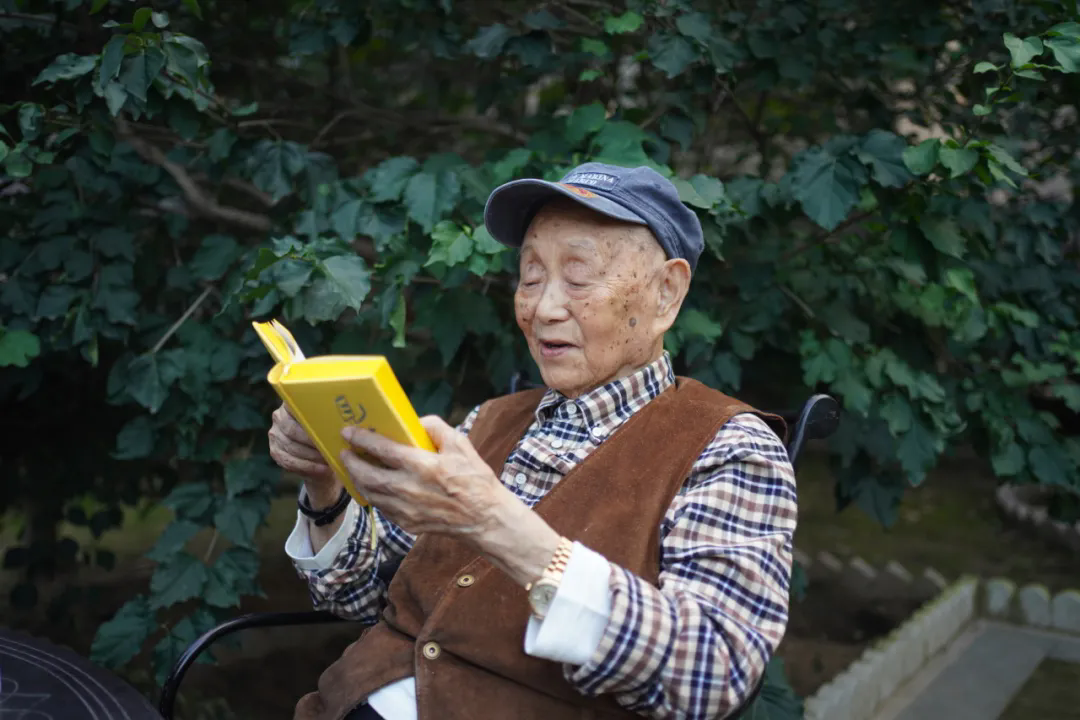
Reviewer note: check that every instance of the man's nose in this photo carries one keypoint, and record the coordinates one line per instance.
(551, 306)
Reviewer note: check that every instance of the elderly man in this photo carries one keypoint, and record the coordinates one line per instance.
(616, 545)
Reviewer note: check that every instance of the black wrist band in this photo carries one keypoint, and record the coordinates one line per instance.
(326, 515)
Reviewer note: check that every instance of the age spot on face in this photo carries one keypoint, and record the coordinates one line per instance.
(633, 322)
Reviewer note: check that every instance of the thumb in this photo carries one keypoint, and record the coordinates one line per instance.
(440, 432)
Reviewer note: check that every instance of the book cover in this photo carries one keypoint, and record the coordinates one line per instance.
(327, 393)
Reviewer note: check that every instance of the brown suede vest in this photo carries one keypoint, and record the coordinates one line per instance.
(464, 643)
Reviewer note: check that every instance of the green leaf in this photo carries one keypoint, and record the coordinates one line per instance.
(277, 164)
(190, 501)
(430, 196)
(398, 320)
(694, 25)
(238, 518)
(1002, 156)
(1067, 29)
(140, 18)
(944, 235)
(489, 42)
(173, 540)
(827, 186)
(140, 70)
(181, 578)
(1050, 465)
(145, 384)
(985, 67)
(917, 451)
(594, 46)
(980, 110)
(388, 179)
(233, 574)
(55, 301)
(18, 348)
(1007, 460)
(589, 75)
(120, 638)
(692, 321)
(542, 19)
(626, 23)
(135, 440)
(214, 257)
(920, 159)
(115, 97)
(160, 19)
(67, 67)
(193, 7)
(349, 277)
(897, 413)
(98, 6)
(111, 57)
(584, 121)
(1022, 51)
(959, 161)
(247, 474)
(450, 246)
(671, 53)
(883, 153)
(18, 165)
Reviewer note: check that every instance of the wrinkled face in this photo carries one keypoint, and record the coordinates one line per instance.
(595, 297)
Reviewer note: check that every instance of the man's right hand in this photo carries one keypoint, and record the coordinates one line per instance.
(293, 450)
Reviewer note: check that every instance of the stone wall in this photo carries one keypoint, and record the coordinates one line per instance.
(858, 692)
(1025, 505)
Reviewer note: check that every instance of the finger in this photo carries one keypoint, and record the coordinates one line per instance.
(300, 466)
(292, 447)
(366, 477)
(441, 433)
(390, 453)
(288, 424)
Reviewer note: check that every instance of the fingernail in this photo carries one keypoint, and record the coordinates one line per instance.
(347, 432)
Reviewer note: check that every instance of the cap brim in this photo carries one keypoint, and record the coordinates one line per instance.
(512, 207)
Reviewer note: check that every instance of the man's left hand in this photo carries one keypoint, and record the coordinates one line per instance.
(452, 492)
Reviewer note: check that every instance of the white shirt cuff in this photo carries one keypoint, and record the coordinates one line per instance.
(575, 623)
(298, 546)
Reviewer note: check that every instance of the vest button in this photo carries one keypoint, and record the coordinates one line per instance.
(520, 479)
(432, 650)
(465, 580)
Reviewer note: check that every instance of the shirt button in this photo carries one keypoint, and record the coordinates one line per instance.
(520, 479)
(465, 580)
(557, 443)
(597, 432)
(432, 650)
(571, 409)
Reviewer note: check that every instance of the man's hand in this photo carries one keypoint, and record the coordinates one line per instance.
(451, 492)
(293, 450)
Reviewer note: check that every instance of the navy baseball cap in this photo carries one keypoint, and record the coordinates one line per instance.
(637, 195)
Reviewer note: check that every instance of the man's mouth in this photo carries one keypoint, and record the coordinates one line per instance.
(551, 348)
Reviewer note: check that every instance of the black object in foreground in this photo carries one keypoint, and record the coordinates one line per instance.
(40, 680)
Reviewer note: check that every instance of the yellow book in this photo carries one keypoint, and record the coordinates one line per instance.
(325, 394)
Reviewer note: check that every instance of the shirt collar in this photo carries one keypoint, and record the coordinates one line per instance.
(608, 406)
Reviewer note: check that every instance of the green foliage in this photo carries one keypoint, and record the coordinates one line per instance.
(880, 187)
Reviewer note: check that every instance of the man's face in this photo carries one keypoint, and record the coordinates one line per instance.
(593, 298)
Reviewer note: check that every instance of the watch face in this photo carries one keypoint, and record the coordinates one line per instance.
(541, 595)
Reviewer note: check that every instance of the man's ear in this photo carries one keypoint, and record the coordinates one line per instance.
(673, 282)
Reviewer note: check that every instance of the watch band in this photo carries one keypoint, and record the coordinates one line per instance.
(555, 569)
(326, 515)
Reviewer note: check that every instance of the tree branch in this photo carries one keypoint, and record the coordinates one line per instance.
(195, 196)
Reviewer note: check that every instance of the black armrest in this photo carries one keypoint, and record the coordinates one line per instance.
(818, 419)
(244, 622)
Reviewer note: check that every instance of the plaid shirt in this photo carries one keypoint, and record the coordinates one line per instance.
(695, 646)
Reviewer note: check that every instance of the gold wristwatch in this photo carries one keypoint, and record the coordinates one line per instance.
(542, 590)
